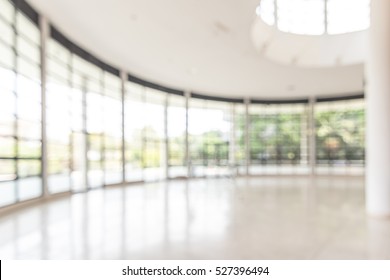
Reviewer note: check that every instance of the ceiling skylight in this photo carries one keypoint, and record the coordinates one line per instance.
(316, 17)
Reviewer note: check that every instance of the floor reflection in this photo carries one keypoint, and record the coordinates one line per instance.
(255, 218)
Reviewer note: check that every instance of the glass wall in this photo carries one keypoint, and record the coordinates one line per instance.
(112, 115)
(134, 133)
(209, 134)
(153, 131)
(59, 117)
(84, 129)
(20, 107)
(92, 81)
(176, 132)
(239, 139)
(340, 136)
(278, 138)
(78, 122)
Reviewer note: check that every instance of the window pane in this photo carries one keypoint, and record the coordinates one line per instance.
(6, 59)
(134, 123)
(28, 89)
(29, 149)
(7, 10)
(209, 132)
(29, 188)
(267, 11)
(28, 110)
(7, 147)
(57, 51)
(7, 104)
(28, 50)
(29, 130)
(113, 160)
(278, 138)
(27, 28)
(301, 16)
(28, 69)
(29, 168)
(177, 136)
(154, 132)
(7, 170)
(6, 126)
(94, 112)
(58, 152)
(59, 182)
(64, 117)
(340, 134)
(7, 193)
(77, 110)
(7, 34)
(58, 70)
(95, 163)
(239, 134)
(78, 162)
(112, 115)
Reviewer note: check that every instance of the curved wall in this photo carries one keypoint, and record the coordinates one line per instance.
(70, 122)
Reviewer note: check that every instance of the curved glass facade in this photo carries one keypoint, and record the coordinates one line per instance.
(69, 123)
(340, 135)
(316, 17)
(20, 107)
(278, 138)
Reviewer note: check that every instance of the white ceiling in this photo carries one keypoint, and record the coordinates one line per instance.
(199, 45)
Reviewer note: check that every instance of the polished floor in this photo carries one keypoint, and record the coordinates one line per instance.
(255, 218)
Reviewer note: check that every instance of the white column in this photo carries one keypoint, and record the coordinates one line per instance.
(232, 141)
(247, 137)
(166, 143)
(187, 95)
(45, 30)
(378, 111)
(312, 136)
(123, 76)
(304, 147)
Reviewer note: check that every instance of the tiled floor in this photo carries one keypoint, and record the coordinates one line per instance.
(256, 218)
